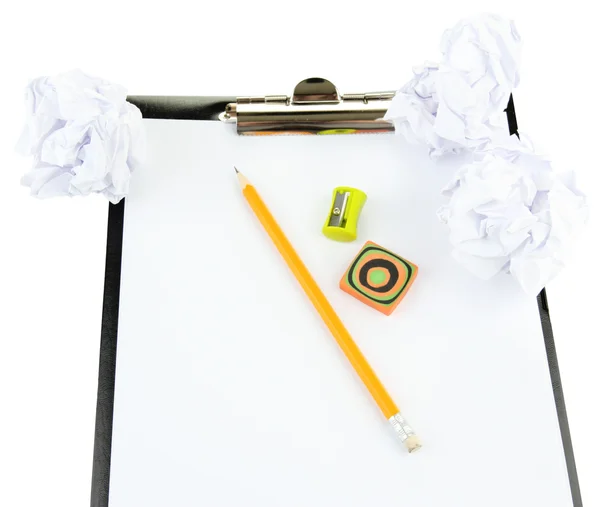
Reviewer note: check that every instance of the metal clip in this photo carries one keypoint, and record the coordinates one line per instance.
(315, 107)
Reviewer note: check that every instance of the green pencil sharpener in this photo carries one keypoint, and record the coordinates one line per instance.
(343, 216)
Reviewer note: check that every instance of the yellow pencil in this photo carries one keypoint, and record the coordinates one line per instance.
(340, 333)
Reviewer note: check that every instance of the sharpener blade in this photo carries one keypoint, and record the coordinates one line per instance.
(337, 218)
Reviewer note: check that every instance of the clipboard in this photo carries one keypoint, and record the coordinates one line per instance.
(315, 106)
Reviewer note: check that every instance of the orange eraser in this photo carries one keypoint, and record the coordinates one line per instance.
(378, 277)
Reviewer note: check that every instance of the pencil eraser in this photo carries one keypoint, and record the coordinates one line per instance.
(379, 278)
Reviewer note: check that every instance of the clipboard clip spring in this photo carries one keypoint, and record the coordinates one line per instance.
(315, 107)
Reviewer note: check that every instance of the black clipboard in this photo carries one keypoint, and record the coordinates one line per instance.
(210, 108)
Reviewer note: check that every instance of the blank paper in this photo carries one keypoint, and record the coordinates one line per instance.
(230, 390)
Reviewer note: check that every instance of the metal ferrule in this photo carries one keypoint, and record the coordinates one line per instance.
(401, 427)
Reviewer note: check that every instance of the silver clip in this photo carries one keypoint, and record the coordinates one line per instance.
(315, 107)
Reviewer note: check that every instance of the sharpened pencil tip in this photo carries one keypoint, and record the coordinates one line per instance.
(241, 178)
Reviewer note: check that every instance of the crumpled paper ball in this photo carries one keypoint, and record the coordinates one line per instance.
(414, 108)
(510, 211)
(459, 103)
(84, 137)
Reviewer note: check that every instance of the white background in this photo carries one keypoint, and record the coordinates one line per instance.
(52, 252)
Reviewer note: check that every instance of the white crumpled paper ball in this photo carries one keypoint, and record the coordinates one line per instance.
(84, 137)
(459, 103)
(510, 211)
(414, 108)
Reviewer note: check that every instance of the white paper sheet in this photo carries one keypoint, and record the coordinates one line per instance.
(230, 390)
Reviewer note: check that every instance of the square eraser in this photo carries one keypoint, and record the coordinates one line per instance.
(379, 278)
